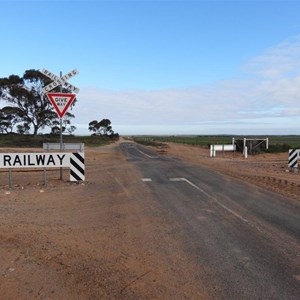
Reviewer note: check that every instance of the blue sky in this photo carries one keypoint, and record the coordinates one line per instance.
(165, 67)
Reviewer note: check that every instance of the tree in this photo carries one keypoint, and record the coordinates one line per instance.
(8, 118)
(94, 126)
(23, 128)
(55, 127)
(30, 105)
(102, 127)
(66, 125)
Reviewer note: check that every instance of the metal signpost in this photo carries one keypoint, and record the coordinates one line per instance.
(60, 101)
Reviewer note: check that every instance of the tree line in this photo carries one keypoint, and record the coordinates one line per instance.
(27, 109)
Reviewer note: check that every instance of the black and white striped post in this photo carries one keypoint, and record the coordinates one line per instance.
(294, 155)
(77, 167)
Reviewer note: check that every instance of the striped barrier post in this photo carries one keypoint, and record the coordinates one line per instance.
(77, 167)
(294, 154)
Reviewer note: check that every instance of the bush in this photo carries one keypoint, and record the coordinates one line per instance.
(277, 148)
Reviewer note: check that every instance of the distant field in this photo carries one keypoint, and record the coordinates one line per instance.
(29, 141)
(276, 143)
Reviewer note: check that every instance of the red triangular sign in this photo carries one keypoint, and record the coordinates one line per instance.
(61, 102)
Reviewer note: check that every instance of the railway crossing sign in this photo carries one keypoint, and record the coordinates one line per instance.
(61, 102)
(57, 80)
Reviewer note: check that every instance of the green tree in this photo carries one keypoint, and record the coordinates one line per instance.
(102, 127)
(23, 128)
(25, 97)
(66, 125)
(55, 127)
(105, 127)
(8, 118)
(94, 127)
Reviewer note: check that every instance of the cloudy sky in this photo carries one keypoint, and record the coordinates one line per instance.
(165, 67)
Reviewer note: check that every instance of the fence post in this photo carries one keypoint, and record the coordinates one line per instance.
(246, 152)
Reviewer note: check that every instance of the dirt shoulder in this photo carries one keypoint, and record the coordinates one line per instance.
(105, 238)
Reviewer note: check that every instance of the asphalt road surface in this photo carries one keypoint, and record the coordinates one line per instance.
(243, 241)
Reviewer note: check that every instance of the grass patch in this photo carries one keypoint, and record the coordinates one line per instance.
(189, 140)
(148, 142)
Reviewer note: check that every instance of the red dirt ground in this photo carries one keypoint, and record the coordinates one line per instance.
(106, 238)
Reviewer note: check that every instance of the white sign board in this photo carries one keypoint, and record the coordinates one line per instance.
(224, 147)
(57, 80)
(79, 147)
(34, 160)
(215, 148)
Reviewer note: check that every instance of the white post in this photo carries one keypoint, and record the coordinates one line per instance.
(245, 152)
(267, 143)
(212, 151)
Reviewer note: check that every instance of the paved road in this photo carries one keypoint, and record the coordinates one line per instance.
(244, 240)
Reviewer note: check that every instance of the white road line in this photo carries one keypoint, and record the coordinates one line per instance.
(213, 198)
(146, 179)
(146, 154)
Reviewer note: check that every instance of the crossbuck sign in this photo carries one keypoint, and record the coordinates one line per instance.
(57, 80)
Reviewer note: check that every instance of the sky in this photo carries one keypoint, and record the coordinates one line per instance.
(165, 67)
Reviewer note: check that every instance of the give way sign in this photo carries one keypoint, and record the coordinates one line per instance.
(61, 102)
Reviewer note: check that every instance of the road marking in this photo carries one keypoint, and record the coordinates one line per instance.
(211, 197)
(146, 154)
(146, 179)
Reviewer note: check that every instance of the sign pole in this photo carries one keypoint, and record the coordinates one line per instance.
(10, 179)
(61, 101)
(61, 137)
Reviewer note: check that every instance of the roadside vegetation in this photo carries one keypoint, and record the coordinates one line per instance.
(14, 140)
(277, 144)
(189, 140)
(148, 142)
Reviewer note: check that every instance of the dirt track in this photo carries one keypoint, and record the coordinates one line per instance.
(98, 240)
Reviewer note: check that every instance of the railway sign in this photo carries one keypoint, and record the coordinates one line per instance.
(61, 102)
(34, 160)
(74, 161)
(57, 80)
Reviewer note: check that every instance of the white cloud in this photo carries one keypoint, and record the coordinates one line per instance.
(282, 60)
(271, 92)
